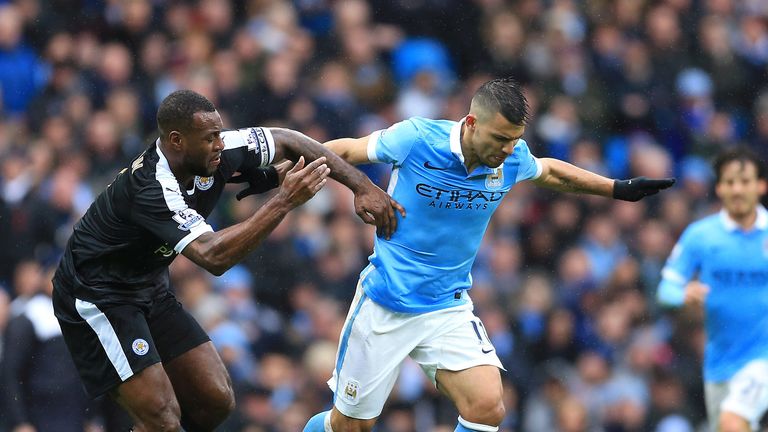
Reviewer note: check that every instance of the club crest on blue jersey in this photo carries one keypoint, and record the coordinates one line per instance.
(203, 183)
(495, 180)
(351, 391)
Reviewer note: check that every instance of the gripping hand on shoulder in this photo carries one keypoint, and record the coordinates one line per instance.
(376, 207)
(302, 182)
(639, 187)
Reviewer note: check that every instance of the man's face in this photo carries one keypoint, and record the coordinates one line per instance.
(203, 144)
(494, 139)
(739, 188)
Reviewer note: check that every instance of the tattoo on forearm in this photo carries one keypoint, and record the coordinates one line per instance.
(567, 185)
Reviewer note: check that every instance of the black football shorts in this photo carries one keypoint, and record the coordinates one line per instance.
(109, 343)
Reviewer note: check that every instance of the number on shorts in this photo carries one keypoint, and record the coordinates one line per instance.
(752, 391)
(479, 327)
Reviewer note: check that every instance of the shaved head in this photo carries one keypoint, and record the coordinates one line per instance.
(503, 95)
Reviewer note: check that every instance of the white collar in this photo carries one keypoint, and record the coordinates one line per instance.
(455, 140)
(761, 222)
(163, 162)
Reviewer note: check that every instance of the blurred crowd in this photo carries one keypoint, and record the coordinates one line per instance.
(565, 285)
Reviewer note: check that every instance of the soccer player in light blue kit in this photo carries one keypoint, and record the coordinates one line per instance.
(412, 299)
(721, 262)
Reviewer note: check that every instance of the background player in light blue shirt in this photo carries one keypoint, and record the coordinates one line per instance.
(411, 300)
(721, 262)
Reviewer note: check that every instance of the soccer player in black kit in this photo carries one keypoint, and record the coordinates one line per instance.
(123, 326)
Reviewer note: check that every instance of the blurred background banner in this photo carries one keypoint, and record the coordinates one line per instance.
(565, 286)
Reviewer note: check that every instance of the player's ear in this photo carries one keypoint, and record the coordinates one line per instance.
(719, 189)
(175, 138)
(470, 120)
(762, 186)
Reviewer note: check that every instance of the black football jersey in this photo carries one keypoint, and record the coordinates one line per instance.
(121, 248)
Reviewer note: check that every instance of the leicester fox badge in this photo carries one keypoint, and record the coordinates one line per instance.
(203, 183)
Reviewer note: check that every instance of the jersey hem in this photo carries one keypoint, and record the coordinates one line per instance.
(414, 310)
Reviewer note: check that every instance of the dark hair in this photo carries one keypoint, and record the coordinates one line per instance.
(176, 110)
(738, 154)
(505, 96)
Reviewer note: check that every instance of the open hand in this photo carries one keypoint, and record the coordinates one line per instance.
(376, 207)
(302, 182)
(695, 293)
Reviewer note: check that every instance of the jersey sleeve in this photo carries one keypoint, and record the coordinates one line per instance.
(251, 147)
(530, 166)
(681, 266)
(161, 209)
(393, 144)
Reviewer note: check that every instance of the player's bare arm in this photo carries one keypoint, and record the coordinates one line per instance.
(372, 204)
(218, 251)
(564, 177)
(352, 150)
(355, 152)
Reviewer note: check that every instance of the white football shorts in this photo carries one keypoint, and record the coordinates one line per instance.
(375, 341)
(746, 394)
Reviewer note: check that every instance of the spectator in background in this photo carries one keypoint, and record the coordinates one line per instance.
(551, 391)
(5, 313)
(760, 141)
(27, 281)
(720, 263)
(668, 410)
(22, 73)
(41, 391)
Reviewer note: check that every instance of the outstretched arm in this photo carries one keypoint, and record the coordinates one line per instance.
(220, 250)
(290, 144)
(355, 152)
(352, 150)
(372, 204)
(564, 177)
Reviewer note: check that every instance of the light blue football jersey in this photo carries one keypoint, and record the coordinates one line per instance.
(734, 264)
(426, 264)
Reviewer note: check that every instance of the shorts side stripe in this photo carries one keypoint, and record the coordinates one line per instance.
(107, 336)
(345, 340)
